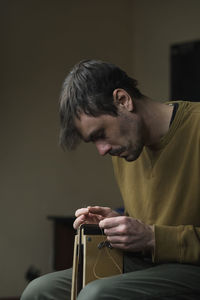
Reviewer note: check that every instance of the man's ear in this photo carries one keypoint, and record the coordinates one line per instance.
(123, 100)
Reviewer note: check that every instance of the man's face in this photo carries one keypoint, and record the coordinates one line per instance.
(118, 136)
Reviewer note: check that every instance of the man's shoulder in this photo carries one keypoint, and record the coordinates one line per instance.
(194, 107)
(187, 105)
(191, 109)
(187, 109)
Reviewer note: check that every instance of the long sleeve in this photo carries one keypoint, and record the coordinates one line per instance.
(177, 244)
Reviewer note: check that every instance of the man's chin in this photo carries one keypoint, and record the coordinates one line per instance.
(127, 157)
(131, 157)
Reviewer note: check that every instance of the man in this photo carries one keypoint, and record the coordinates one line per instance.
(155, 149)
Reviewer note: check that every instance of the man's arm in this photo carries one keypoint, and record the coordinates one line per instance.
(177, 244)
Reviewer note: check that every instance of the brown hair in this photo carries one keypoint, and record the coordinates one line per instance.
(88, 88)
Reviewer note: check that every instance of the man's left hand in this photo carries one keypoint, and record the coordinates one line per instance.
(128, 234)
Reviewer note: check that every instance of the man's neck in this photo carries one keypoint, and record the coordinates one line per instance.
(156, 117)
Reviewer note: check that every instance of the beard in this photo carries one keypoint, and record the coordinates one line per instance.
(133, 154)
(135, 133)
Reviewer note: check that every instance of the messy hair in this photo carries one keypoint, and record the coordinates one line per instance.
(88, 89)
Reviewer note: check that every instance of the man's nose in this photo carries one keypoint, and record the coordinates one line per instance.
(102, 147)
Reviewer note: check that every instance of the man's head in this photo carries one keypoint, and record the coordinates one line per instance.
(96, 94)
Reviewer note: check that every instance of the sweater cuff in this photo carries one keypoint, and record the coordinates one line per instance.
(166, 244)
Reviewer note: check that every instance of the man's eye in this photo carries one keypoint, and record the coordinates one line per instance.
(98, 137)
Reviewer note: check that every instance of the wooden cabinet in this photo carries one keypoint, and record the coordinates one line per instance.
(63, 241)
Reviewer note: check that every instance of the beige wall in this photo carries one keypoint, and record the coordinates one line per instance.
(41, 41)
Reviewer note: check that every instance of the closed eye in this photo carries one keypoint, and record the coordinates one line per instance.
(96, 136)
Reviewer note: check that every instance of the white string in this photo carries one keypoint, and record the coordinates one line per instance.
(98, 258)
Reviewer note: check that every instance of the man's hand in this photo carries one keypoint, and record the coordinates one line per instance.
(128, 234)
(93, 215)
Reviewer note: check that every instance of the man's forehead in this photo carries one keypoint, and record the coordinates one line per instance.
(84, 121)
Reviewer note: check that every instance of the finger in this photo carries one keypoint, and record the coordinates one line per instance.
(121, 247)
(81, 211)
(88, 218)
(126, 247)
(100, 210)
(111, 222)
(113, 231)
(80, 220)
(95, 216)
(117, 239)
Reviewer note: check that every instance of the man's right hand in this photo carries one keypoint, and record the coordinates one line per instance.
(93, 215)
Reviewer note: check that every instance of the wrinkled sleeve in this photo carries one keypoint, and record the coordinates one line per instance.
(179, 244)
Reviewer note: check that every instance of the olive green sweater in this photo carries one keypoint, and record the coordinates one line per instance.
(162, 187)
